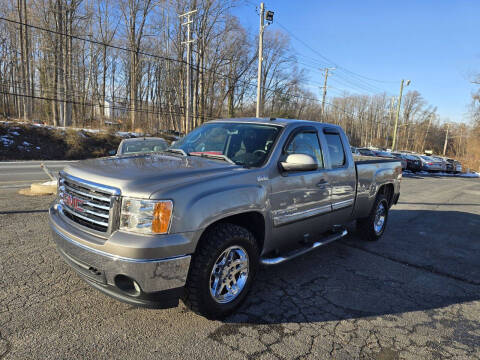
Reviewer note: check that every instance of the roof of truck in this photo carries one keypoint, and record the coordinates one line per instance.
(269, 121)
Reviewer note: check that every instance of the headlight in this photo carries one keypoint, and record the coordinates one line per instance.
(146, 216)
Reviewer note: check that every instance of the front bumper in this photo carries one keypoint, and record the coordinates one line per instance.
(138, 281)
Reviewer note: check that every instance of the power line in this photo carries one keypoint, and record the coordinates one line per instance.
(329, 60)
(245, 82)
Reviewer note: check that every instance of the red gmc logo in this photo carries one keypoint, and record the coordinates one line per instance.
(73, 202)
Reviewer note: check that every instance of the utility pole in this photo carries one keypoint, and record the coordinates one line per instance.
(446, 140)
(260, 59)
(325, 90)
(390, 115)
(188, 104)
(398, 113)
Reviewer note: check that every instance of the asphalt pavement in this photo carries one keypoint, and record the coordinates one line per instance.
(15, 174)
(415, 294)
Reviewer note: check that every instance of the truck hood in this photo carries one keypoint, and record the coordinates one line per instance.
(141, 176)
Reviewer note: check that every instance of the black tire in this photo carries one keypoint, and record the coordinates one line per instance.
(366, 226)
(197, 288)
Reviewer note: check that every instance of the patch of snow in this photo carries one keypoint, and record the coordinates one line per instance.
(37, 147)
(88, 130)
(470, 175)
(26, 143)
(426, 174)
(14, 133)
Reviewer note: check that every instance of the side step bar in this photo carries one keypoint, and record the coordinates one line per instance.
(297, 252)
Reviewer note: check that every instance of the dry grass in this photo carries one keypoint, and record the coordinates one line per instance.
(28, 142)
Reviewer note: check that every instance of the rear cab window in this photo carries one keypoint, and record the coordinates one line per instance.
(335, 150)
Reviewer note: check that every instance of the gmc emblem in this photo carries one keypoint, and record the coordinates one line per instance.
(73, 202)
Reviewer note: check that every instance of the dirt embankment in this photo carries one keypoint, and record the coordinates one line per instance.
(23, 141)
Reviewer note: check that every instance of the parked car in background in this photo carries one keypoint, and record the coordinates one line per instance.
(430, 164)
(453, 166)
(441, 160)
(354, 150)
(450, 165)
(414, 163)
(402, 159)
(458, 167)
(384, 154)
(365, 152)
(143, 145)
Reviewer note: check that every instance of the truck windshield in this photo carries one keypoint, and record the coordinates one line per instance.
(245, 144)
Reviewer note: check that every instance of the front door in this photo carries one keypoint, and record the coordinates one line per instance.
(300, 201)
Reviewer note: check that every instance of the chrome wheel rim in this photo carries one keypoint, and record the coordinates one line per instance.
(229, 274)
(380, 217)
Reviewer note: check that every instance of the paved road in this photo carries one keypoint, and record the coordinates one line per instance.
(19, 173)
(413, 295)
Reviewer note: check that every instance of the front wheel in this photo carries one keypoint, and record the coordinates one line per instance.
(373, 226)
(222, 271)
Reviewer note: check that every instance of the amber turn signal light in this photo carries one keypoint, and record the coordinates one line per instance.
(161, 217)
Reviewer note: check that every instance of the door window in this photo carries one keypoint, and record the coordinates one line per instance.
(306, 143)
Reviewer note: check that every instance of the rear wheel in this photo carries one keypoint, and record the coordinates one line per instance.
(222, 271)
(373, 226)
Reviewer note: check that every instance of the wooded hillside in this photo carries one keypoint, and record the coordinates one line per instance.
(123, 63)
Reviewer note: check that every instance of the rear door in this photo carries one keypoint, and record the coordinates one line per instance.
(300, 201)
(341, 174)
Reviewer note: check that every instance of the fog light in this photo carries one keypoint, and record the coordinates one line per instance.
(127, 285)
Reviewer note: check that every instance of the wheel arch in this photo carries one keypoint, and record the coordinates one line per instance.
(253, 221)
(388, 190)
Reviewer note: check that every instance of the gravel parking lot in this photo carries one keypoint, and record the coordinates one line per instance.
(413, 295)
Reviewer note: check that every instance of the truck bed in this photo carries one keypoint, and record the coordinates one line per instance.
(372, 173)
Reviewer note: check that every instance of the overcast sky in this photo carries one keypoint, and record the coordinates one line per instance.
(434, 43)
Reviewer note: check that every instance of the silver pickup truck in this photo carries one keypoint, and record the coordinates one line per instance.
(198, 219)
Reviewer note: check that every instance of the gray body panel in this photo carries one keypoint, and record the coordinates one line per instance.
(295, 206)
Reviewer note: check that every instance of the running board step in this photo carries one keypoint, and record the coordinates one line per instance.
(297, 252)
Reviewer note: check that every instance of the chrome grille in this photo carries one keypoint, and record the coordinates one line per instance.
(89, 204)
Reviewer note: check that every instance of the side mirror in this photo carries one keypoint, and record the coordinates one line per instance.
(299, 162)
(112, 152)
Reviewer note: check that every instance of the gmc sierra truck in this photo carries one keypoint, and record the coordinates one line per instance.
(198, 219)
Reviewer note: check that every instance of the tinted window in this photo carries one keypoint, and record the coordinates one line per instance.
(306, 143)
(335, 149)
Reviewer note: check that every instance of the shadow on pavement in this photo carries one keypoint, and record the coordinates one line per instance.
(426, 260)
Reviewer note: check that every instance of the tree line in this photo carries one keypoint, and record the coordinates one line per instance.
(123, 63)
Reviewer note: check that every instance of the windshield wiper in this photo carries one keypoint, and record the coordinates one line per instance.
(215, 156)
(177, 151)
